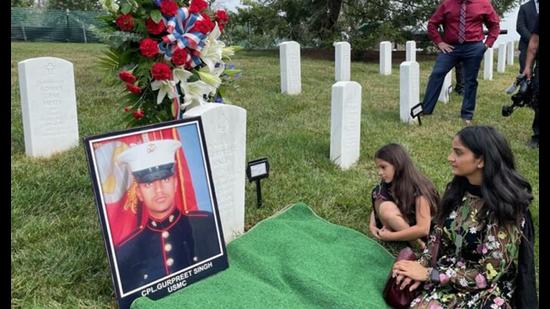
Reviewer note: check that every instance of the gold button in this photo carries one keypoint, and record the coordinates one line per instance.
(154, 223)
(145, 276)
(171, 218)
(165, 234)
(169, 262)
(167, 247)
(195, 258)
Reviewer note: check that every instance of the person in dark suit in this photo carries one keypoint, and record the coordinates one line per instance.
(170, 241)
(532, 72)
(527, 16)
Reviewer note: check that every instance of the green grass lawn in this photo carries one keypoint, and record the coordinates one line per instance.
(58, 257)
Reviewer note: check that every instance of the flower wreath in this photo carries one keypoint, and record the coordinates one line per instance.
(168, 56)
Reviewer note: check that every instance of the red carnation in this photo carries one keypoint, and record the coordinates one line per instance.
(222, 17)
(138, 114)
(148, 48)
(133, 88)
(127, 76)
(125, 22)
(203, 25)
(197, 6)
(179, 57)
(168, 7)
(153, 27)
(161, 71)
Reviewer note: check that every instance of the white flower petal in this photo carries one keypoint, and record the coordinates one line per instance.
(210, 79)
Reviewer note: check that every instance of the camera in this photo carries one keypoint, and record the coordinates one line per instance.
(522, 95)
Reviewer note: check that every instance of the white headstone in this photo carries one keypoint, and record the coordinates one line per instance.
(291, 76)
(488, 64)
(446, 88)
(225, 135)
(345, 123)
(342, 59)
(385, 58)
(501, 62)
(48, 105)
(410, 51)
(510, 53)
(409, 89)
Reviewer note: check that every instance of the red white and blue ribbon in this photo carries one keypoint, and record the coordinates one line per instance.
(179, 36)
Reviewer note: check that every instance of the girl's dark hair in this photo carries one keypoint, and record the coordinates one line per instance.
(505, 192)
(408, 183)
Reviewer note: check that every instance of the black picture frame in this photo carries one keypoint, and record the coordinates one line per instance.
(203, 235)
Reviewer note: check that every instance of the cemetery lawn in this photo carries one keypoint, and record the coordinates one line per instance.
(57, 252)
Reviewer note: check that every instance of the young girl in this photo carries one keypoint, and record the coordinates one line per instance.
(404, 201)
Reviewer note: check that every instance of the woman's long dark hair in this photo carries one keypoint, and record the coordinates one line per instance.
(408, 182)
(506, 193)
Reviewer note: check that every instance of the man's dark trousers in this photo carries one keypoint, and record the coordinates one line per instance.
(459, 74)
(470, 53)
(535, 125)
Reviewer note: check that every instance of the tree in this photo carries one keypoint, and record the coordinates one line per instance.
(309, 21)
(363, 22)
(256, 25)
(22, 3)
(503, 6)
(81, 5)
(325, 18)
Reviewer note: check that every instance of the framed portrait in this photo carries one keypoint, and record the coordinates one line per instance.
(157, 208)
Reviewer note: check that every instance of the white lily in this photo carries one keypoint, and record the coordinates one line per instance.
(109, 5)
(210, 79)
(211, 53)
(217, 70)
(165, 87)
(228, 51)
(181, 75)
(195, 92)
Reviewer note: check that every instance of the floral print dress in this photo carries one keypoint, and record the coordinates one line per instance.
(477, 261)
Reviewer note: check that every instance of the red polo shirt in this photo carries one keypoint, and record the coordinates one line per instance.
(478, 12)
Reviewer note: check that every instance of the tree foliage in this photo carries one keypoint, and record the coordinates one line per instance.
(22, 3)
(318, 23)
(81, 5)
(257, 26)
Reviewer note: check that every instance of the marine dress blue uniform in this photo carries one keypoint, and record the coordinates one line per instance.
(163, 247)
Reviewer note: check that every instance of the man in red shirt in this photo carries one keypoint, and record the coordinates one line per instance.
(462, 41)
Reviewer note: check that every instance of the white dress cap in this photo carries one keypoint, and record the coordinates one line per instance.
(150, 154)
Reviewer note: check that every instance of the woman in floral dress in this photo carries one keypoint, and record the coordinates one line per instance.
(479, 226)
